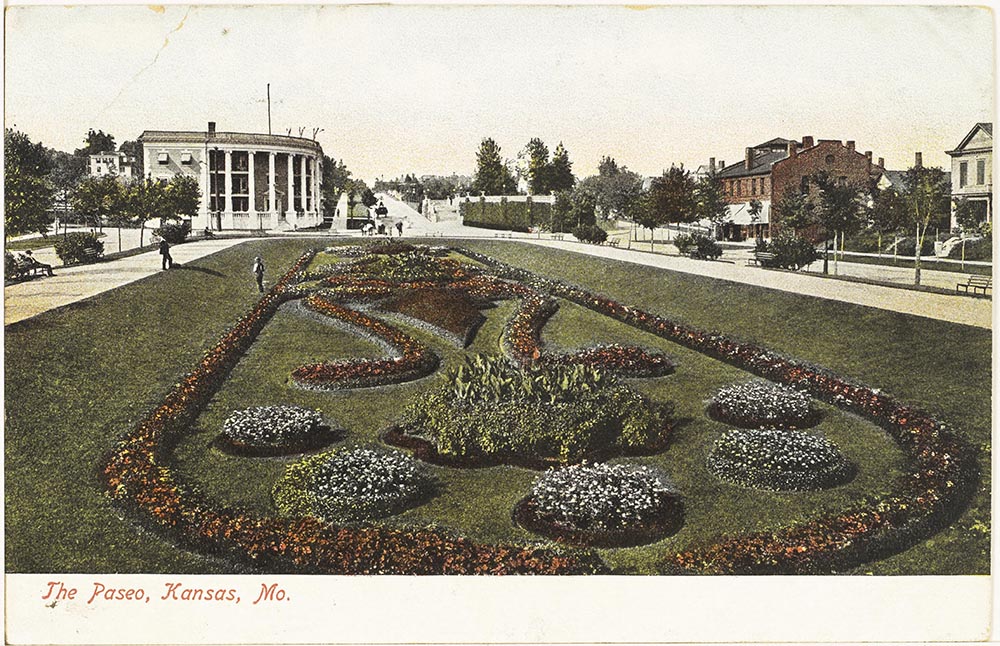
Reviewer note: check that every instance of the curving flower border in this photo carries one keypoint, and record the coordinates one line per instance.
(938, 485)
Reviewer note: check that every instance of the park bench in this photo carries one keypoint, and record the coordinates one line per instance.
(976, 282)
(91, 254)
(557, 236)
(22, 267)
(613, 243)
(502, 235)
(760, 258)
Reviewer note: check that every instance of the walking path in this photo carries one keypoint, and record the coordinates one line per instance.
(72, 284)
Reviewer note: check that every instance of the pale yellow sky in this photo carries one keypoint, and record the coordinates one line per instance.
(415, 88)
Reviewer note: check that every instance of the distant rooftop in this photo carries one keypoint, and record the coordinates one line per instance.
(231, 138)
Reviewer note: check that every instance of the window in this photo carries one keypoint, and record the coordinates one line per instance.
(186, 157)
(980, 172)
(163, 158)
(830, 159)
(963, 174)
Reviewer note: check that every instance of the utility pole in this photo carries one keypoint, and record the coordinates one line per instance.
(268, 108)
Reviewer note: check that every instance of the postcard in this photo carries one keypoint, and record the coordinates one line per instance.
(498, 323)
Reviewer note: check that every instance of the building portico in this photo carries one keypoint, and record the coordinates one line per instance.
(247, 181)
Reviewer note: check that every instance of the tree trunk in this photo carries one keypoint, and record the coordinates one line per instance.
(916, 257)
(836, 266)
(879, 250)
(119, 239)
(142, 229)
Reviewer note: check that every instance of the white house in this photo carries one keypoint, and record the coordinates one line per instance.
(972, 171)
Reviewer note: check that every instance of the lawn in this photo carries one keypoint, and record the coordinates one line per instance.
(98, 366)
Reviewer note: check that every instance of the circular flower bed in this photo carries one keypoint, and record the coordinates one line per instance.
(274, 430)
(359, 484)
(778, 460)
(601, 505)
(762, 404)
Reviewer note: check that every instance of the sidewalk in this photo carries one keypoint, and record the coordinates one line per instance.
(72, 284)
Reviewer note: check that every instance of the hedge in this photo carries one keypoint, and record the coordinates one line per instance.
(505, 215)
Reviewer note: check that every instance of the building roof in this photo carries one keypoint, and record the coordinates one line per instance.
(765, 155)
(229, 138)
(896, 178)
(985, 127)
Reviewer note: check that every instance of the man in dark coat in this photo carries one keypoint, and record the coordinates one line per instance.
(168, 262)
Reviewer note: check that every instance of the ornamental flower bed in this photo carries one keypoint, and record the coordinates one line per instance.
(778, 460)
(490, 412)
(415, 360)
(360, 484)
(602, 505)
(137, 476)
(274, 430)
(762, 404)
(447, 312)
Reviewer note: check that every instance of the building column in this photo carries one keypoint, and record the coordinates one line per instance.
(206, 194)
(317, 169)
(272, 204)
(229, 181)
(302, 182)
(290, 198)
(251, 183)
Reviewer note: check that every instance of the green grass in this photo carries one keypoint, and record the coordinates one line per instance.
(97, 366)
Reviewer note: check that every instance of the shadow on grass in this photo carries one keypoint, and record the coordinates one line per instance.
(203, 270)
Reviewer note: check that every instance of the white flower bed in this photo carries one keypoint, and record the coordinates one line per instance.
(367, 483)
(759, 404)
(270, 426)
(602, 497)
(777, 460)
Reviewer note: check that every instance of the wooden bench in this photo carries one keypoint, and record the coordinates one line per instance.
(760, 257)
(557, 236)
(91, 255)
(976, 282)
(613, 243)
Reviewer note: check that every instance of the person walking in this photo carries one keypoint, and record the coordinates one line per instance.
(168, 262)
(399, 227)
(258, 272)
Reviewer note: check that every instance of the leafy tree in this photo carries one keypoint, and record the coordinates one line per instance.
(754, 209)
(133, 150)
(969, 215)
(608, 167)
(97, 199)
(710, 200)
(96, 142)
(146, 199)
(27, 193)
(928, 197)
(561, 170)
(368, 197)
(335, 178)
(491, 172)
(671, 199)
(795, 209)
(583, 209)
(561, 211)
(184, 196)
(534, 167)
(887, 214)
(67, 172)
(840, 207)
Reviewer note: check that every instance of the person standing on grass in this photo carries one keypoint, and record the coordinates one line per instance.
(168, 262)
(258, 272)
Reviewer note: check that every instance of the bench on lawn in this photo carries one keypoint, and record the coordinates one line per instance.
(613, 243)
(22, 267)
(557, 236)
(502, 235)
(976, 282)
(760, 257)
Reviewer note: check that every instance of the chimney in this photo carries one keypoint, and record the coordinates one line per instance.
(749, 160)
(918, 160)
(807, 142)
(881, 162)
(211, 127)
(868, 154)
(850, 146)
(711, 164)
(722, 164)
(793, 149)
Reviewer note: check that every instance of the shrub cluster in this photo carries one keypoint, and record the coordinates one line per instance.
(505, 215)
(174, 232)
(272, 426)
(939, 481)
(590, 233)
(790, 251)
(760, 404)
(777, 460)
(603, 497)
(416, 360)
(698, 246)
(490, 413)
(977, 249)
(76, 248)
(352, 485)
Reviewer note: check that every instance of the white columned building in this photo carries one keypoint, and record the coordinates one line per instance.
(236, 193)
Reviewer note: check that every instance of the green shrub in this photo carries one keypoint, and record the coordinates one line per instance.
(590, 233)
(698, 245)
(174, 232)
(492, 410)
(978, 249)
(908, 246)
(72, 248)
(790, 251)
(504, 215)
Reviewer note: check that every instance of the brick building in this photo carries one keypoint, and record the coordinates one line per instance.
(770, 169)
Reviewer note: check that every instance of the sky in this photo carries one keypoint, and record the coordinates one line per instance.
(414, 89)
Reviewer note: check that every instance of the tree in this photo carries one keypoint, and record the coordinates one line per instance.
(183, 195)
(147, 199)
(335, 178)
(710, 200)
(368, 197)
(96, 142)
(795, 209)
(533, 165)
(969, 215)
(562, 208)
(887, 214)
(927, 196)
(754, 208)
(608, 167)
(671, 199)
(67, 172)
(561, 170)
(491, 172)
(133, 150)
(839, 208)
(96, 199)
(583, 205)
(27, 193)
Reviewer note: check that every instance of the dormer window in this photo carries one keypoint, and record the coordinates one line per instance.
(163, 158)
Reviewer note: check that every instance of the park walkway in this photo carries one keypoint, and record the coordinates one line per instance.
(72, 284)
